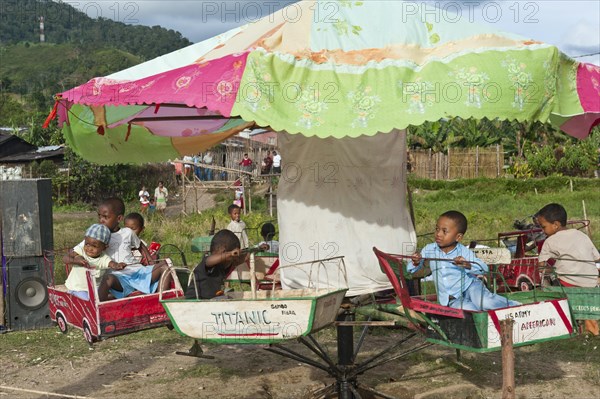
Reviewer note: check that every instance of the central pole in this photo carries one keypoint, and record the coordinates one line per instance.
(345, 345)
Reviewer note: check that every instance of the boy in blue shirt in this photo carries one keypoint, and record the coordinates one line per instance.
(456, 279)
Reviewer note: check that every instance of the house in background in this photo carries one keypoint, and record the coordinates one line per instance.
(16, 155)
(264, 136)
(11, 144)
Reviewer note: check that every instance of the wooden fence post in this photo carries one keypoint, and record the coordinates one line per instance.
(477, 161)
(429, 164)
(589, 231)
(183, 191)
(508, 359)
(448, 163)
(498, 160)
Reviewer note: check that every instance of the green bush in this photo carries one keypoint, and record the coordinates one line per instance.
(521, 170)
(45, 169)
(579, 160)
(574, 158)
(91, 183)
(542, 160)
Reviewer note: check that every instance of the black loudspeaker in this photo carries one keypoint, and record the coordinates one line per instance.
(26, 232)
(26, 214)
(26, 294)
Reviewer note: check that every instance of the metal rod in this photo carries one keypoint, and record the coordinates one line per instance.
(173, 105)
(178, 118)
(354, 391)
(434, 259)
(296, 356)
(345, 340)
(361, 369)
(382, 323)
(344, 390)
(311, 262)
(319, 351)
(324, 392)
(334, 369)
(361, 339)
(383, 352)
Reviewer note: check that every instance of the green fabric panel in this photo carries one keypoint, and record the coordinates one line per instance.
(349, 25)
(481, 326)
(584, 302)
(231, 123)
(323, 101)
(526, 297)
(118, 113)
(111, 148)
(566, 87)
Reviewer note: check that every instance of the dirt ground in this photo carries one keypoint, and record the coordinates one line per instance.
(47, 364)
(195, 201)
(144, 365)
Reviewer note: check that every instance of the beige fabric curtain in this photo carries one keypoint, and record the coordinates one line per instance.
(342, 197)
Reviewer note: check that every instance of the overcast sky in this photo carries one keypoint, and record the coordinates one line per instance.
(573, 26)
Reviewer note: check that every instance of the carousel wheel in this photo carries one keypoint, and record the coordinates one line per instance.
(62, 323)
(87, 333)
(525, 285)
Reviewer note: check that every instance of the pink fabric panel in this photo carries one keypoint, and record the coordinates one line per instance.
(588, 87)
(166, 111)
(183, 128)
(580, 125)
(212, 84)
(63, 112)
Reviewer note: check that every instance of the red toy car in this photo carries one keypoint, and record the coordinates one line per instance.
(99, 320)
(522, 273)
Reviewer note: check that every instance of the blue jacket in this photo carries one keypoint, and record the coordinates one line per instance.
(450, 279)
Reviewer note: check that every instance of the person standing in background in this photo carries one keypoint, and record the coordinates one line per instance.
(276, 163)
(161, 194)
(178, 172)
(144, 196)
(267, 163)
(208, 160)
(187, 163)
(246, 163)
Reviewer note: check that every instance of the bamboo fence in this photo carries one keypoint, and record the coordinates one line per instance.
(458, 163)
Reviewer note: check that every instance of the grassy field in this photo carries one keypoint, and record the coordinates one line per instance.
(491, 206)
(144, 364)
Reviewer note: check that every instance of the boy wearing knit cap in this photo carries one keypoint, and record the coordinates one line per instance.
(89, 254)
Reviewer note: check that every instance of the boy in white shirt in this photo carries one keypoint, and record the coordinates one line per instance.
(135, 277)
(236, 225)
(267, 231)
(89, 254)
(572, 251)
(276, 163)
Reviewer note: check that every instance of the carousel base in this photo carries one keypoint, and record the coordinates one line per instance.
(195, 351)
(346, 370)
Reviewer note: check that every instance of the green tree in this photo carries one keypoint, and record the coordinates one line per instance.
(437, 136)
(12, 113)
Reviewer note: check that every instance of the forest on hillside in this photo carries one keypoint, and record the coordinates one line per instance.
(76, 49)
(65, 24)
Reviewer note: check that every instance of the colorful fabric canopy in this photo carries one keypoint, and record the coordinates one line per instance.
(327, 69)
(342, 78)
